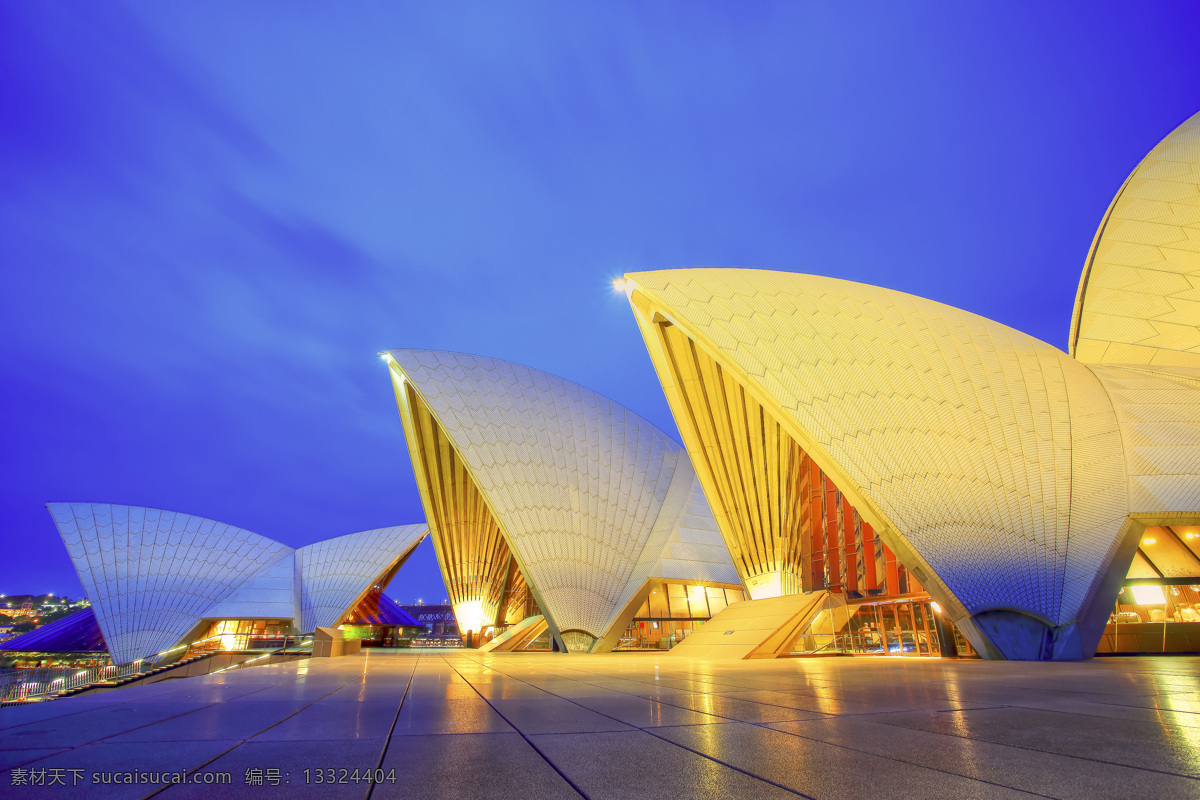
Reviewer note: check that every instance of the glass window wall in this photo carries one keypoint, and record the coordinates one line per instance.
(905, 626)
(1158, 609)
(245, 634)
(673, 612)
(1154, 617)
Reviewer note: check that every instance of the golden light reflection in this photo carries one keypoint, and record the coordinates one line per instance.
(1177, 709)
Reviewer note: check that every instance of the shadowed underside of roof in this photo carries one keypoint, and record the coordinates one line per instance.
(379, 609)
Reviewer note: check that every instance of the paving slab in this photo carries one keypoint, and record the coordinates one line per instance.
(439, 715)
(821, 770)
(118, 770)
(634, 726)
(218, 721)
(1028, 770)
(1144, 745)
(621, 765)
(488, 766)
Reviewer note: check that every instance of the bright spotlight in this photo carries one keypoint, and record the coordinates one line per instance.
(619, 284)
(1149, 595)
(937, 609)
(469, 615)
(385, 356)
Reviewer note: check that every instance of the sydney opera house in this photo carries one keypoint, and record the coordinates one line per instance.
(550, 503)
(157, 580)
(862, 471)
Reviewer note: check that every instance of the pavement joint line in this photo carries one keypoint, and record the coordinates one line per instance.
(109, 736)
(768, 725)
(1058, 690)
(241, 742)
(522, 733)
(1036, 750)
(37, 758)
(890, 711)
(471, 670)
(844, 714)
(721, 716)
(660, 738)
(1073, 712)
(387, 742)
(47, 719)
(988, 741)
(715, 683)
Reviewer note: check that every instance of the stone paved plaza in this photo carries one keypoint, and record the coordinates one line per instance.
(458, 724)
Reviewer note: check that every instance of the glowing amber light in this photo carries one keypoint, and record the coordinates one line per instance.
(1149, 595)
(470, 615)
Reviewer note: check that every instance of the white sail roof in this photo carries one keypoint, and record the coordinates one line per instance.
(1139, 295)
(151, 575)
(335, 573)
(994, 456)
(577, 482)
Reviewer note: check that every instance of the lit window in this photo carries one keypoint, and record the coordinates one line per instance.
(1149, 595)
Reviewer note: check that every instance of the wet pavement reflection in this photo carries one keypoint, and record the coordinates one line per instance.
(463, 724)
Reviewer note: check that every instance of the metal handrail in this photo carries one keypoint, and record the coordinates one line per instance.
(40, 682)
(303, 644)
(43, 682)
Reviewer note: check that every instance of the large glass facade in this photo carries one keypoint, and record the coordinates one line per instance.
(542, 643)
(672, 612)
(1158, 609)
(246, 634)
(896, 626)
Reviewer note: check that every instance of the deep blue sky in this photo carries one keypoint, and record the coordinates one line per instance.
(213, 217)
